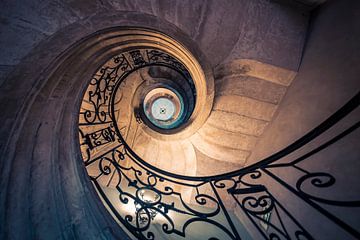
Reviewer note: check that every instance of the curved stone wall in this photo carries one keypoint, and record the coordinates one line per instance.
(50, 195)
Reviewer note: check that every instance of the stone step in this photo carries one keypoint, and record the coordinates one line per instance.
(233, 122)
(173, 156)
(225, 138)
(247, 95)
(207, 166)
(218, 152)
(252, 87)
(245, 106)
(256, 69)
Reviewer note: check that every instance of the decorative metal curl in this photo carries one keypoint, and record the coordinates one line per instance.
(258, 205)
(322, 180)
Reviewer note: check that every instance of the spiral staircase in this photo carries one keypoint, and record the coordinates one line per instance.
(179, 120)
(154, 99)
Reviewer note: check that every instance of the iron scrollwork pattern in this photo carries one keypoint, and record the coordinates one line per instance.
(154, 204)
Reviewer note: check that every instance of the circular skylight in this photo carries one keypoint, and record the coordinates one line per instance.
(164, 108)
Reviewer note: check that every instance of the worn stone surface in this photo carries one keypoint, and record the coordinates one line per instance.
(204, 161)
(4, 71)
(207, 22)
(172, 156)
(247, 95)
(218, 152)
(236, 123)
(245, 106)
(250, 87)
(227, 138)
(272, 39)
(332, 52)
(256, 69)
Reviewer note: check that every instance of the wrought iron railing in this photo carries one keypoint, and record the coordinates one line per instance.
(268, 198)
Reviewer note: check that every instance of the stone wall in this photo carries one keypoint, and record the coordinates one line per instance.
(327, 79)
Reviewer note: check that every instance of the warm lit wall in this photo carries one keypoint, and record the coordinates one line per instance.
(327, 79)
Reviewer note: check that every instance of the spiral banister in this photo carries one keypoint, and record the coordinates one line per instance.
(153, 203)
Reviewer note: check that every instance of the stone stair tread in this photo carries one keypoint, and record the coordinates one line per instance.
(245, 106)
(233, 122)
(225, 138)
(251, 87)
(256, 69)
(207, 166)
(218, 152)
